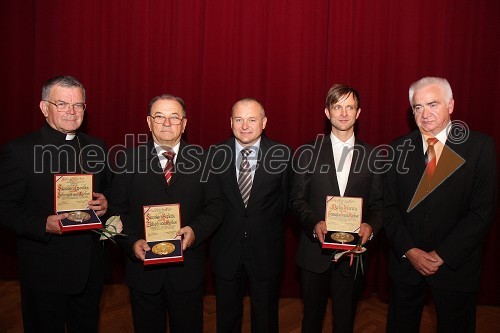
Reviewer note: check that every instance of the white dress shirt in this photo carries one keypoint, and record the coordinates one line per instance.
(342, 155)
(163, 160)
(438, 146)
(252, 158)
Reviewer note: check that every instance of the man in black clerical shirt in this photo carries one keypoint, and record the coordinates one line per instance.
(61, 275)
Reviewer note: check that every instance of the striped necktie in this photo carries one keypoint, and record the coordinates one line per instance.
(245, 176)
(169, 167)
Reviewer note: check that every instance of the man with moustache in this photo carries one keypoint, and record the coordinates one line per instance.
(249, 245)
(438, 206)
(338, 165)
(173, 289)
(61, 275)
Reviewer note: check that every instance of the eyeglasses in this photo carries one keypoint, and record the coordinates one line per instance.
(64, 106)
(174, 120)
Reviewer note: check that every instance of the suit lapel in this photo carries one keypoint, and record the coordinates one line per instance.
(416, 157)
(356, 155)
(153, 161)
(231, 174)
(260, 173)
(449, 162)
(180, 159)
(326, 158)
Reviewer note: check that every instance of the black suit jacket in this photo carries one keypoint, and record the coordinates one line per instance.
(315, 178)
(452, 220)
(140, 182)
(262, 219)
(48, 262)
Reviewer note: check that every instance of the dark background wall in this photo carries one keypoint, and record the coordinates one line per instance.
(286, 53)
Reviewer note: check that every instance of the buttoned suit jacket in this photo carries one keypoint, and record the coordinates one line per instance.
(262, 219)
(141, 182)
(314, 179)
(48, 262)
(452, 220)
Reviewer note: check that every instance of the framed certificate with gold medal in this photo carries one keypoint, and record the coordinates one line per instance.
(72, 193)
(343, 220)
(161, 223)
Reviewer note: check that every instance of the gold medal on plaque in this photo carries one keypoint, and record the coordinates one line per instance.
(161, 224)
(163, 248)
(342, 237)
(78, 216)
(343, 221)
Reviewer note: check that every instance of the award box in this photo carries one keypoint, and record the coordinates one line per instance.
(161, 223)
(72, 193)
(343, 219)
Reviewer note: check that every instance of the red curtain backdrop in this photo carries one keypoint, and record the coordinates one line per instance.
(286, 53)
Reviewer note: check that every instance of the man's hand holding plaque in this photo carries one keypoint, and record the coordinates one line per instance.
(72, 195)
(188, 237)
(163, 232)
(343, 223)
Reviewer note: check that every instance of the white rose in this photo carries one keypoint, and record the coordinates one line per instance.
(112, 227)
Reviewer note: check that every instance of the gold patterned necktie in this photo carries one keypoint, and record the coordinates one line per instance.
(431, 157)
(245, 176)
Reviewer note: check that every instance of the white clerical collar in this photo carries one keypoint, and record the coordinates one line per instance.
(70, 136)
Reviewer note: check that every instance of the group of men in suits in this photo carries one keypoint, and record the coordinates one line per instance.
(248, 241)
(240, 203)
